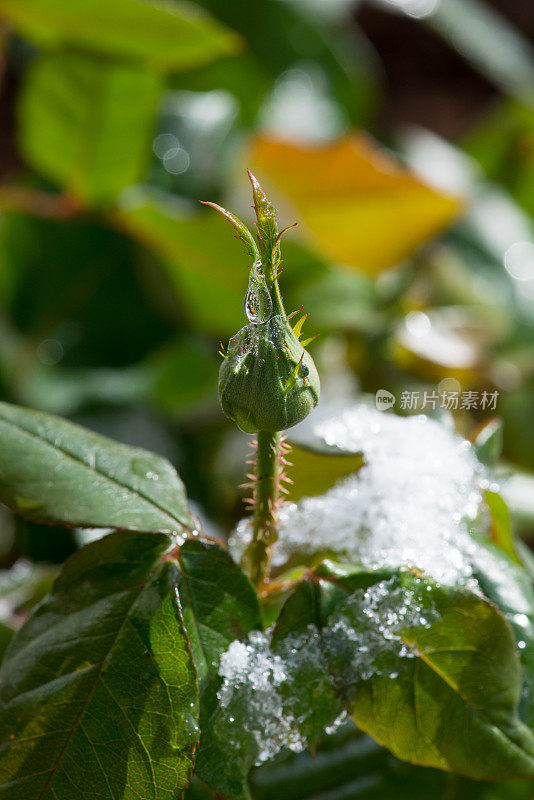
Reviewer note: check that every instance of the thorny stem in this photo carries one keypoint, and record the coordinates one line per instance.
(270, 446)
(266, 480)
(266, 484)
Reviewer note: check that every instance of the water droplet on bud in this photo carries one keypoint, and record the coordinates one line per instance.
(258, 304)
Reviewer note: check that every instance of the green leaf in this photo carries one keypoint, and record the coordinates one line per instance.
(444, 694)
(350, 764)
(442, 691)
(439, 687)
(86, 124)
(510, 587)
(314, 473)
(518, 492)
(99, 696)
(54, 471)
(219, 605)
(6, 634)
(488, 441)
(168, 36)
(502, 532)
(308, 692)
(461, 685)
(22, 587)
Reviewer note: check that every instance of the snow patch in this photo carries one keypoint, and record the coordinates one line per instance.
(409, 505)
(364, 640)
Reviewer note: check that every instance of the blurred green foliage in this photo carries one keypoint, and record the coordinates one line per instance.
(115, 286)
(416, 261)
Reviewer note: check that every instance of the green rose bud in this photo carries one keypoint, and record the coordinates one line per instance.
(267, 381)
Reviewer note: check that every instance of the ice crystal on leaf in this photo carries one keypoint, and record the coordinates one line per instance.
(252, 675)
(415, 508)
(292, 690)
(366, 636)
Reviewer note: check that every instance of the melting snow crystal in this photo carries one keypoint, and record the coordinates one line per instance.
(409, 505)
(249, 693)
(263, 692)
(367, 631)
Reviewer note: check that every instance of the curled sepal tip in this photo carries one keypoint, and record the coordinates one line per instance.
(275, 253)
(243, 233)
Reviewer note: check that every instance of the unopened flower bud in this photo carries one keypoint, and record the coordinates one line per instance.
(267, 381)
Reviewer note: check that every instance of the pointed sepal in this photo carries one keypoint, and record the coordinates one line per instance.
(297, 328)
(265, 219)
(243, 233)
(310, 339)
(275, 254)
(293, 377)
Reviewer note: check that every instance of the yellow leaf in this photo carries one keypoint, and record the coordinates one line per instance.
(359, 205)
